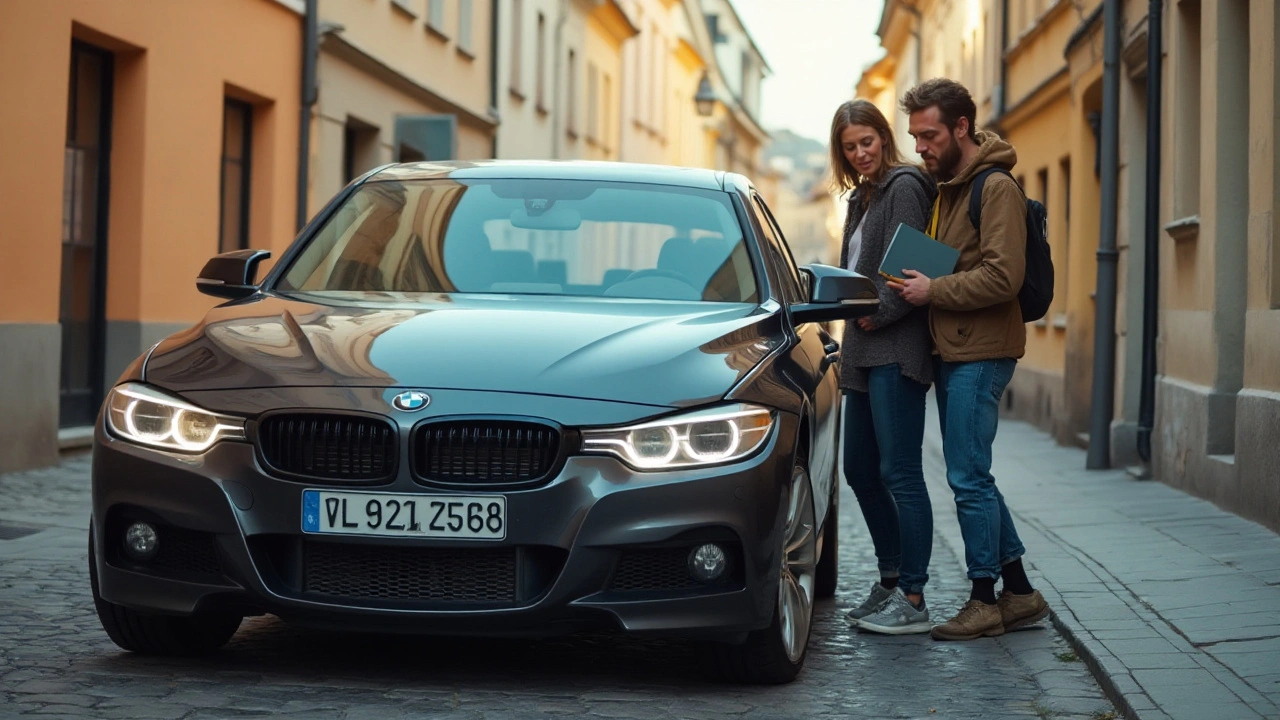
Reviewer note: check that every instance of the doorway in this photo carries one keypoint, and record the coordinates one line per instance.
(84, 235)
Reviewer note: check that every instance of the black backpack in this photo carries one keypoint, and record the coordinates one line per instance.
(1036, 292)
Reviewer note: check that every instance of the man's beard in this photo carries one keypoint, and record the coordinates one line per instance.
(948, 162)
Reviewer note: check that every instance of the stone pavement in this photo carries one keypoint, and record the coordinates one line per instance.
(1172, 602)
(55, 660)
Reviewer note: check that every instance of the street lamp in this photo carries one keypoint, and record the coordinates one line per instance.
(705, 98)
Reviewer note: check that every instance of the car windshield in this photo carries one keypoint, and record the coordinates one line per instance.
(544, 237)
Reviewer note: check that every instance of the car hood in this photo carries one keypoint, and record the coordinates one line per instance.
(636, 351)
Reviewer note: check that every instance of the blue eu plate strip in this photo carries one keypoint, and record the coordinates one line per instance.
(311, 511)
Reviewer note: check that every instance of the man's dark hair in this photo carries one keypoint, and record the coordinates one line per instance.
(951, 98)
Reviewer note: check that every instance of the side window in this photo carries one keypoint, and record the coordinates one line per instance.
(787, 281)
(794, 283)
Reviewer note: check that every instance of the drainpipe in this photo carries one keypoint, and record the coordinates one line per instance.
(1104, 337)
(1151, 249)
(493, 70)
(310, 43)
(561, 19)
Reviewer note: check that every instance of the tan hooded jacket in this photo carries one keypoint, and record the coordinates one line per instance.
(974, 312)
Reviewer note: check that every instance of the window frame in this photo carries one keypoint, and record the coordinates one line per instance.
(245, 162)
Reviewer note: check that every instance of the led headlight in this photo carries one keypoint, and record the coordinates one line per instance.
(150, 417)
(705, 437)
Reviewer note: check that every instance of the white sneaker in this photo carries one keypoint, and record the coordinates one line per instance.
(878, 597)
(897, 617)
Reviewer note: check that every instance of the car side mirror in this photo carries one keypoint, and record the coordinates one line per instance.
(836, 294)
(231, 274)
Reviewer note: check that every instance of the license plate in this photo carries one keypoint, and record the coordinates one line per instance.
(402, 515)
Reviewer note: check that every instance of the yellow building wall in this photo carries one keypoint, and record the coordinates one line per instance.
(175, 63)
(1042, 157)
(1262, 320)
(601, 117)
(399, 33)
(686, 145)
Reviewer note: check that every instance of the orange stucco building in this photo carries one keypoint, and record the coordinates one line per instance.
(141, 138)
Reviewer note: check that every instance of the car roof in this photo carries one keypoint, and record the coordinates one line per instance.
(553, 170)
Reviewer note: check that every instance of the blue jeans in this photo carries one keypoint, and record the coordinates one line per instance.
(883, 435)
(968, 408)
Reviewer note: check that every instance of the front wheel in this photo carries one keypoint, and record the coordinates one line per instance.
(159, 634)
(775, 654)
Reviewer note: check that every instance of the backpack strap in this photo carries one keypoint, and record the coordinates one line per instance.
(975, 194)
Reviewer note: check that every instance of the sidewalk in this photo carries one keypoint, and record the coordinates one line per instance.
(1172, 602)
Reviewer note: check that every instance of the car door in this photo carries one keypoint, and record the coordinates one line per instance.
(814, 351)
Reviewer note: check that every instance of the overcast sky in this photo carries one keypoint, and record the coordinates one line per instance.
(817, 49)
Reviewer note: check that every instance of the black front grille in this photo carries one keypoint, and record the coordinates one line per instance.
(331, 447)
(654, 569)
(438, 575)
(181, 551)
(485, 452)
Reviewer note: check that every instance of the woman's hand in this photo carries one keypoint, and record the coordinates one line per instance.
(866, 324)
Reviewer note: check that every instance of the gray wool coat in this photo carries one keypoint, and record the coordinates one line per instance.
(901, 333)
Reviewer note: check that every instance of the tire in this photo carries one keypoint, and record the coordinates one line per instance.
(149, 634)
(775, 655)
(827, 574)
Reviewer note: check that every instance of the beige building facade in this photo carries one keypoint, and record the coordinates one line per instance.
(400, 80)
(141, 147)
(1039, 83)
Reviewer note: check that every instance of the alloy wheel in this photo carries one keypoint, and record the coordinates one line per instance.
(799, 555)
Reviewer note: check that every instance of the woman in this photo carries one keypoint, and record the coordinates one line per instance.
(885, 371)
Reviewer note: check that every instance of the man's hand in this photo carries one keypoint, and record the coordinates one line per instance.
(915, 290)
(866, 324)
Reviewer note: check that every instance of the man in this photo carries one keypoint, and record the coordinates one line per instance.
(977, 328)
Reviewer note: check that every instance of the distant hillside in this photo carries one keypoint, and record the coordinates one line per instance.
(791, 145)
(802, 160)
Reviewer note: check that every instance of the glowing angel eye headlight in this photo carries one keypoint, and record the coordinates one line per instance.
(147, 416)
(705, 437)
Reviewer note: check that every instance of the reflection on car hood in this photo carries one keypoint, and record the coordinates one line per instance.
(652, 353)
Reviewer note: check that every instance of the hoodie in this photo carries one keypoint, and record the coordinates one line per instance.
(974, 312)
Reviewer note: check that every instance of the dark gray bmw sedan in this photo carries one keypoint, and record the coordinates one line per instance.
(490, 398)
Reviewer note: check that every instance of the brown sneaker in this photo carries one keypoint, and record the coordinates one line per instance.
(1017, 611)
(974, 620)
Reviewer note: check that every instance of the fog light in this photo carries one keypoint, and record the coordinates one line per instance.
(707, 563)
(140, 541)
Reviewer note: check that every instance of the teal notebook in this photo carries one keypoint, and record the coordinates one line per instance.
(911, 249)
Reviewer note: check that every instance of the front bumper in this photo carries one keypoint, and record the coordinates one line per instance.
(599, 546)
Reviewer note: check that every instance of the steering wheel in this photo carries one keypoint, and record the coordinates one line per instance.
(658, 272)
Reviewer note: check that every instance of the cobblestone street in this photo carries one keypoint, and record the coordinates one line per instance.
(55, 660)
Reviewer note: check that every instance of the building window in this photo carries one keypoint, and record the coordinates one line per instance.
(1186, 131)
(237, 137)
(641, 70)
(606, 131)
(1063, 264)
(359, 148)
(464, 28)
(540, 83)
(593, 103)
(517, 36)
(435, 15)
(661, 99)
(405, 6)
(571, 96)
